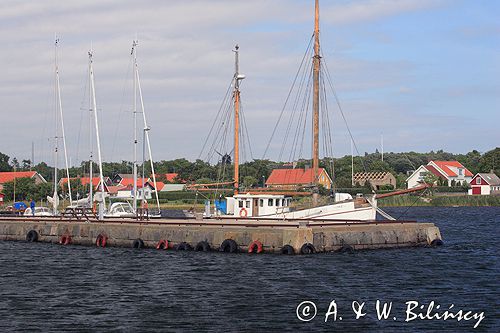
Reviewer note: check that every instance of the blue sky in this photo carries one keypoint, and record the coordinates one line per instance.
(425, 74)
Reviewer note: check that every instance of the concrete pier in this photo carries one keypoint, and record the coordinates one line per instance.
(324, 236)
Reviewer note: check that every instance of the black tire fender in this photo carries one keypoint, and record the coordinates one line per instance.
(307, 248)
(32, 236)
(229, 245)
(183, 247)
(437, 242)
(202, 246)
(138, 243)
(346, 249)
(287, 249)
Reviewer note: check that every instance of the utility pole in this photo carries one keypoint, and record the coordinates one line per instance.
(382, 145)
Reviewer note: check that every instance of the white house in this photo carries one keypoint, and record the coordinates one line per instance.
(485, 184)
(446, 170)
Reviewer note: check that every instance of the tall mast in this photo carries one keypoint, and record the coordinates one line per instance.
(236, 95)
(56, 131)
(94, 106)
(316, 69)
(146, 130)
(58, 92)
(134, 44)
(91, 142)
(352, 164)
(382, 145)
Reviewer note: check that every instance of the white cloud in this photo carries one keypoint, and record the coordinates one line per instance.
(369, 10)
(186, 63)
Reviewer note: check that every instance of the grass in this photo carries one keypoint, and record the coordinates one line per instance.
(441, 201)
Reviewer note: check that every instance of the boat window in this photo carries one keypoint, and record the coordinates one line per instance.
(270, 202)
(248, 203)
(240, 204)
(261, 202)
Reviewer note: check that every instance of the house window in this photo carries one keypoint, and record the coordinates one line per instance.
(460, 171)
(261, 202)
(240, 204)
(478, 181)
(270, 202)
(248, 203)
(278, 202)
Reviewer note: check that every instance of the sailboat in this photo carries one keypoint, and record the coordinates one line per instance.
(278, 205)
(54, 200)
(100, 196)
(124, 209)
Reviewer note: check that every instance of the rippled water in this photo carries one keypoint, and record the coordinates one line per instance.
(55, 288)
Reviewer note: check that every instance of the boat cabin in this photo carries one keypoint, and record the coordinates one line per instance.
(252, 205)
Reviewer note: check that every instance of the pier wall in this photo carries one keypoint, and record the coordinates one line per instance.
(273, 235)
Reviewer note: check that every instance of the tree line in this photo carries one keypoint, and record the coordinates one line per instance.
(254, 173)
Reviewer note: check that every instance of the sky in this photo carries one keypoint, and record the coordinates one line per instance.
(423, 74)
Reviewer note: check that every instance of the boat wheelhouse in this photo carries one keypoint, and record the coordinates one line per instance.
(257, 205)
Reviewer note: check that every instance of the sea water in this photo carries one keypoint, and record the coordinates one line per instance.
(49, 287)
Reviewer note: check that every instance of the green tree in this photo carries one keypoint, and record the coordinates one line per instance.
(26, 164)
(24, 188)
(47, 172)
(4, 163)
(15, 163)
(490, 161)
(430, 178)
(249, 181)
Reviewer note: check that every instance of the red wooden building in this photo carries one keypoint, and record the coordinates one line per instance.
(485, 184)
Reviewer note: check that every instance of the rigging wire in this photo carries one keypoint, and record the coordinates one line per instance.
(306, 103)
(327, 127)
(304, 79)
(216, 117)
(82, 108)
(288, 96)
(330, 82)
(245, 131)
(414, 202)
(121, 111)
(224, 121)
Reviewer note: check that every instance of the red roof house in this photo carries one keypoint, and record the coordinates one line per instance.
(451, 168)
(130, 181)
(86, 180)
(6, 177)
(290, 178)
(485, 184)
(446, 170)
(167, 177)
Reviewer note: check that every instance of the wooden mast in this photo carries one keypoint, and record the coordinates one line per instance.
(236, 95)
(316, 68)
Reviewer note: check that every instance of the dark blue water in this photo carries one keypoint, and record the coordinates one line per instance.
(48, 287)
